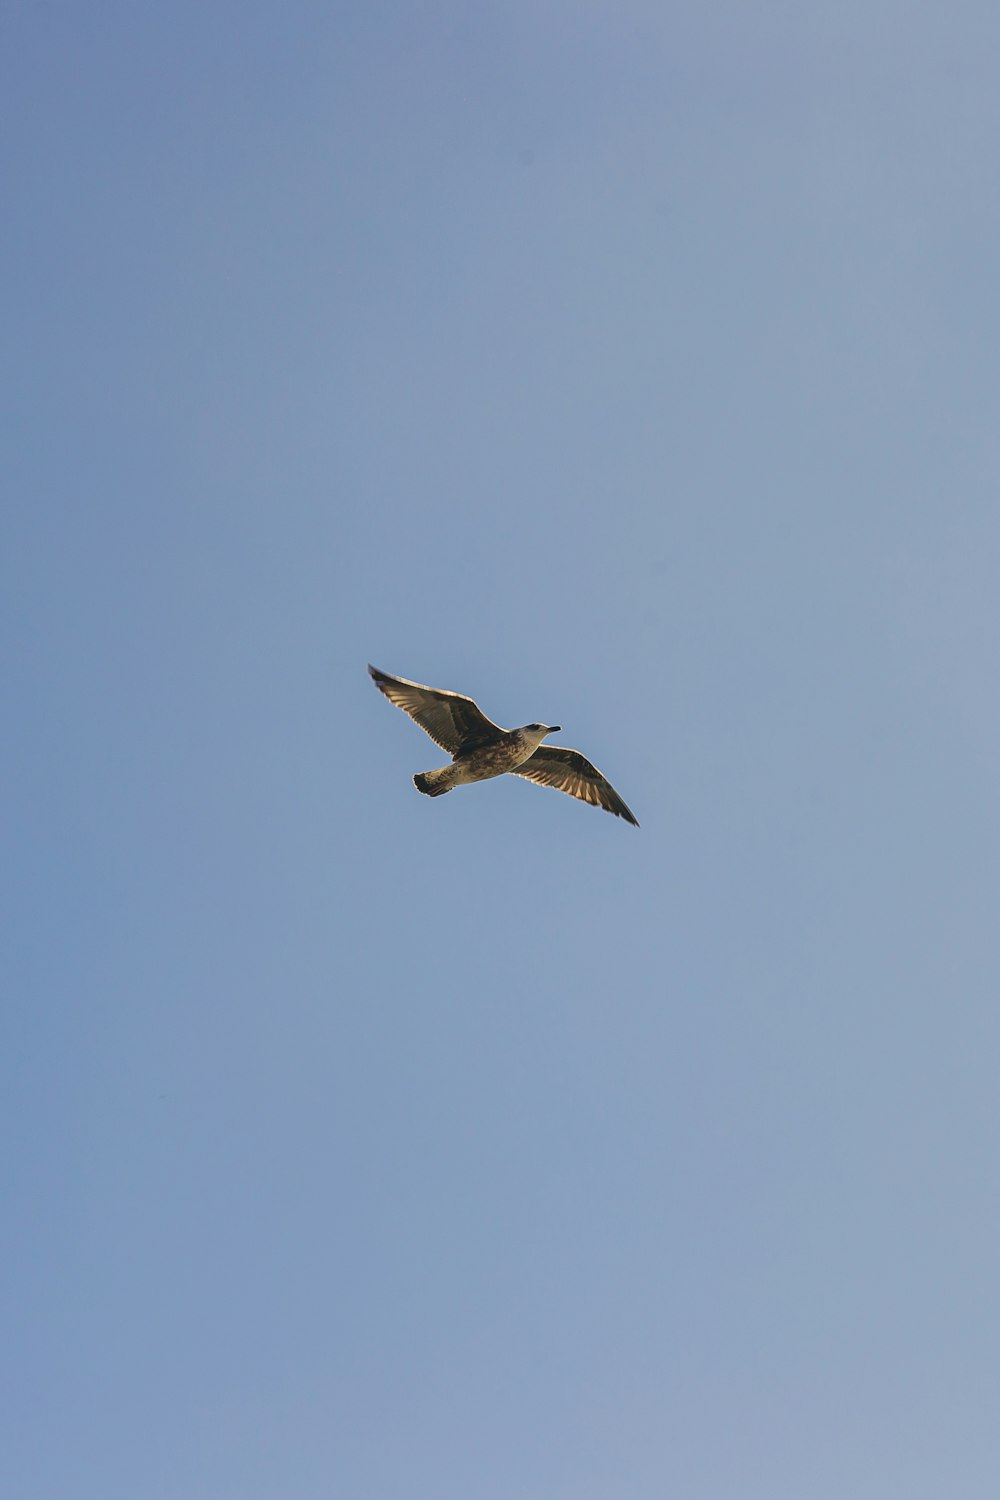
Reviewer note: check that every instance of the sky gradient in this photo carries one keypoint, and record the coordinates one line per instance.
(631, 368)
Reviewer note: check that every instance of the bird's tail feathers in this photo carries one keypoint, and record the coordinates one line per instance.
(435, 783)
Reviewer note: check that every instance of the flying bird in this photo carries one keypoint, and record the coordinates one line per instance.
(480, 749)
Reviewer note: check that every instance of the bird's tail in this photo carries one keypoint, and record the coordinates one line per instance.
(436, 783)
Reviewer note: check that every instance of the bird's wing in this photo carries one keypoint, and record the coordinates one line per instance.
(569, 771)
(453, 722)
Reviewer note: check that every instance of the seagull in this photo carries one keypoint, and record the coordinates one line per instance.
(480, 749)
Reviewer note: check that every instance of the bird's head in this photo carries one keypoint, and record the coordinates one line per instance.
(537, 732)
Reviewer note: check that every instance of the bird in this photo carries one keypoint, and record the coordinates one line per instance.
(480, 749)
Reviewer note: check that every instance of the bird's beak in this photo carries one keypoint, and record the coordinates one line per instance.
(553, 729)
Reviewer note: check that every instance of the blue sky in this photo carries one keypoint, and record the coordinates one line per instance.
(628, 367)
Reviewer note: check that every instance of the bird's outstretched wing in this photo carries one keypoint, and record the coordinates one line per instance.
(453, 722)
(569, 771)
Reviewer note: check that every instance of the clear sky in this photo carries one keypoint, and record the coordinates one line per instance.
(631, 367)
